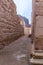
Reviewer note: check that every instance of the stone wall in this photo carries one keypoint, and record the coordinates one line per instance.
(10, 29)
(37, 28)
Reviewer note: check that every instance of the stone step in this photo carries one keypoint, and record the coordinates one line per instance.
(36, 61)
(37, 55)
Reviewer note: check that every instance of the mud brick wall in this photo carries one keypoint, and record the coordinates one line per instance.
(10, 28)
(38, 24)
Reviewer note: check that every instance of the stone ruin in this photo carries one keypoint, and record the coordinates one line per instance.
(37, 32)
(37, 20)
(10, 28)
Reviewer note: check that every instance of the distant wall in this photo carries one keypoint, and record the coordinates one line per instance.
(27, 30)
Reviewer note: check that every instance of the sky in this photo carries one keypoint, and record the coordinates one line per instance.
(24, 8)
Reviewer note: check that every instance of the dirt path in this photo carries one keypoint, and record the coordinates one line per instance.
(16, 53)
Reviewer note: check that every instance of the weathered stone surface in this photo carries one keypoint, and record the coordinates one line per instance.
(38, 43)
(10, 28)
(37, 22)
(39, 26)
(39, 8)
(39, 0)
(37, 32)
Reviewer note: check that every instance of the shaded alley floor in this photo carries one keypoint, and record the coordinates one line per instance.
(17, 53)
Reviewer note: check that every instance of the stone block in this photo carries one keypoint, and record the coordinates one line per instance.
(39, 8)
(39, 26)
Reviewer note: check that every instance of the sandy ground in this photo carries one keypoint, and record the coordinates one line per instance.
(17, 53)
